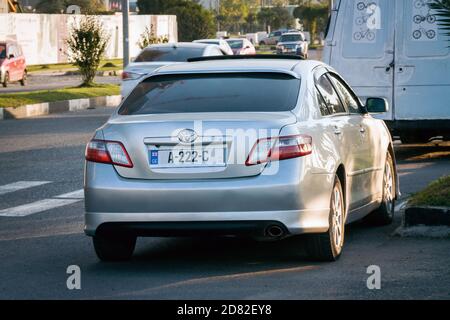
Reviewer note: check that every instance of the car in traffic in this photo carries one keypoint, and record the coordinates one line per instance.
(241, 46)
(267, 147)
(156, 55)
(293, 43)
(13, 67)
(224, 46)
(272, 38)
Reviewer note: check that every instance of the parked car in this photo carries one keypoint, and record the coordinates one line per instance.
(405, 60)
(13, 67)
(223, 147)
(157, 55)
(220, 42)
(241, 46)
(272, 38)
(293, 43)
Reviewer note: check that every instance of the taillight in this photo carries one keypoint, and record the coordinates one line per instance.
(111, 152)
(279, 148)
(128, 75)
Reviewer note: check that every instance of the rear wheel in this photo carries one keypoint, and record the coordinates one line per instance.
(328, 246)
(384, 215)
(118, 248)
(6, 80)
(23, 82)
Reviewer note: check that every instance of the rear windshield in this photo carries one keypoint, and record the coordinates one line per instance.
(232, 92)
(235, 44)
(291, 38)
(168, 54)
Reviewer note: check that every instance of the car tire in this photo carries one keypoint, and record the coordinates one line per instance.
(262, 43)
(328, 246)
(384, 215)
(23, 82)
(6, 80)
(114, 248)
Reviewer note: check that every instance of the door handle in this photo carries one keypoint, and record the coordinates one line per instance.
(362, 129)
(337, 131)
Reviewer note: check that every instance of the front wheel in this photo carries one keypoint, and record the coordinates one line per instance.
(6, 80)
(328, 246)
(384, 215)
(23, 82)
(110, 248)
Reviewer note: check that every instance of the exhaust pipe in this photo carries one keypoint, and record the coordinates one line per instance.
(274, 231)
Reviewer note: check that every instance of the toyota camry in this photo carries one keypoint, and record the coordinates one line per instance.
(264, 147)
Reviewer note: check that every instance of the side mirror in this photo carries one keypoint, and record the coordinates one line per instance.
(11, 56)
(376, 105)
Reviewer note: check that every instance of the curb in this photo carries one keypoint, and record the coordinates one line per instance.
(40, 109)
(426, 215)
(98, 73)
(75, 73)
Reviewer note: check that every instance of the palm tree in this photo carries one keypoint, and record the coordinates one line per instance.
(442, 8)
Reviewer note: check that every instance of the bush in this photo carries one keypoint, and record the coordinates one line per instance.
(149, 37)
(87, 43)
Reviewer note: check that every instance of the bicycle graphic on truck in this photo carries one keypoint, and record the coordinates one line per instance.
(424, 21)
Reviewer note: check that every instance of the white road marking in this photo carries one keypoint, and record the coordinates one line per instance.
(79, 194)
(43, 205)
(20, 185)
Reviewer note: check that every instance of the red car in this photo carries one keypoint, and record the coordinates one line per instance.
(13, 67)
(241, 46)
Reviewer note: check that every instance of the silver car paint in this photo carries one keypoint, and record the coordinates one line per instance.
(297, 195)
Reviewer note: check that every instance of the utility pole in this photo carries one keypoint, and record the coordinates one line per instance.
(126, 44)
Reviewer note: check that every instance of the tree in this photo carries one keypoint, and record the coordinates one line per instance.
(194, 22)
(232, 14)
(87, 43)
(313, 16)
(442, 8)
(58, 6)
(275, 17)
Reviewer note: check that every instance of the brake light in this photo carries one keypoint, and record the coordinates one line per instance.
(128, 75)
(110, 152)
(279, 148)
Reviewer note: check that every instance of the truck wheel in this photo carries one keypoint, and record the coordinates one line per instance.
(328, 246)
(384, 215)
(114, 248)
(23, 82)
(6, 80)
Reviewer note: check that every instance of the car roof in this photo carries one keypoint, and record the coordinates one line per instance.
(200, 40)
(292, 33)
(178, 45)
(237, 65)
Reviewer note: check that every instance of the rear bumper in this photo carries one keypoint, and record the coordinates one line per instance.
(286, 199)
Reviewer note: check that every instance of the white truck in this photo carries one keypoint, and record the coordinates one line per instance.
(396, 50)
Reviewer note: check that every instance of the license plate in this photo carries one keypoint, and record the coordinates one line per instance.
(187, 157)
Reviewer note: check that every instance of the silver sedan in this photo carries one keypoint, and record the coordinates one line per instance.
(264, 147)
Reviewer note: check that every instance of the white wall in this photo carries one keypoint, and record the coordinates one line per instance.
(42, 36)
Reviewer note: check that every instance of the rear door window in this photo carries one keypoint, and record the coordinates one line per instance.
(330, 95)
(228, 92)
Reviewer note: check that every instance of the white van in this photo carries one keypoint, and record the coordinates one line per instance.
(395, 50)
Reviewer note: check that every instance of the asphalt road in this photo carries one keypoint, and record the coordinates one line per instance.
(50, 81)
(35, 250)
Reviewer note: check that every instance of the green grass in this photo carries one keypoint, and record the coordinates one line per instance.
(436, 193)
(22, 98)
(111, 64)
